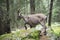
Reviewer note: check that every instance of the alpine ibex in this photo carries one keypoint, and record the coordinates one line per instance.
(33, 19)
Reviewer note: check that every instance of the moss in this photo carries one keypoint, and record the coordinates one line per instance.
(21, 35)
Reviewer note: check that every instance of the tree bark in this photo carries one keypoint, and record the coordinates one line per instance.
(50, 13)
(1, 23)
(32, 6)
(7, 25)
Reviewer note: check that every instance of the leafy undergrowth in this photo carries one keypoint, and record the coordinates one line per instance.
(30, 34)
(55, 29)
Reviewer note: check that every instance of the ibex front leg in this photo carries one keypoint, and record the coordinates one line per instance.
(25, 26)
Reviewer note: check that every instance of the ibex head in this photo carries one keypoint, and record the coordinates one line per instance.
(19, 15)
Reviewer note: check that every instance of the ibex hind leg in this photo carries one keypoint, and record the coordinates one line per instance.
(44, 27)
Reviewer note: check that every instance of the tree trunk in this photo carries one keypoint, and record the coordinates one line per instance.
(1, 23)
(50, 13)
(7, 25)
(32, 6)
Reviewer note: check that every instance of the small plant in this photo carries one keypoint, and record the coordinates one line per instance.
(32, 36)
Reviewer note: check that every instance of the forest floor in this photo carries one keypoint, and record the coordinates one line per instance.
(44, 37)
(30, 34)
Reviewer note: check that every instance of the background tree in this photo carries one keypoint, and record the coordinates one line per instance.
(4, 15)
(32, 6)
(50, 13)
(1, 23)
(7, 25)
(56, 11)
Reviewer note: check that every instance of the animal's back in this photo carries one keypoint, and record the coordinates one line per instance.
(38, 15)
